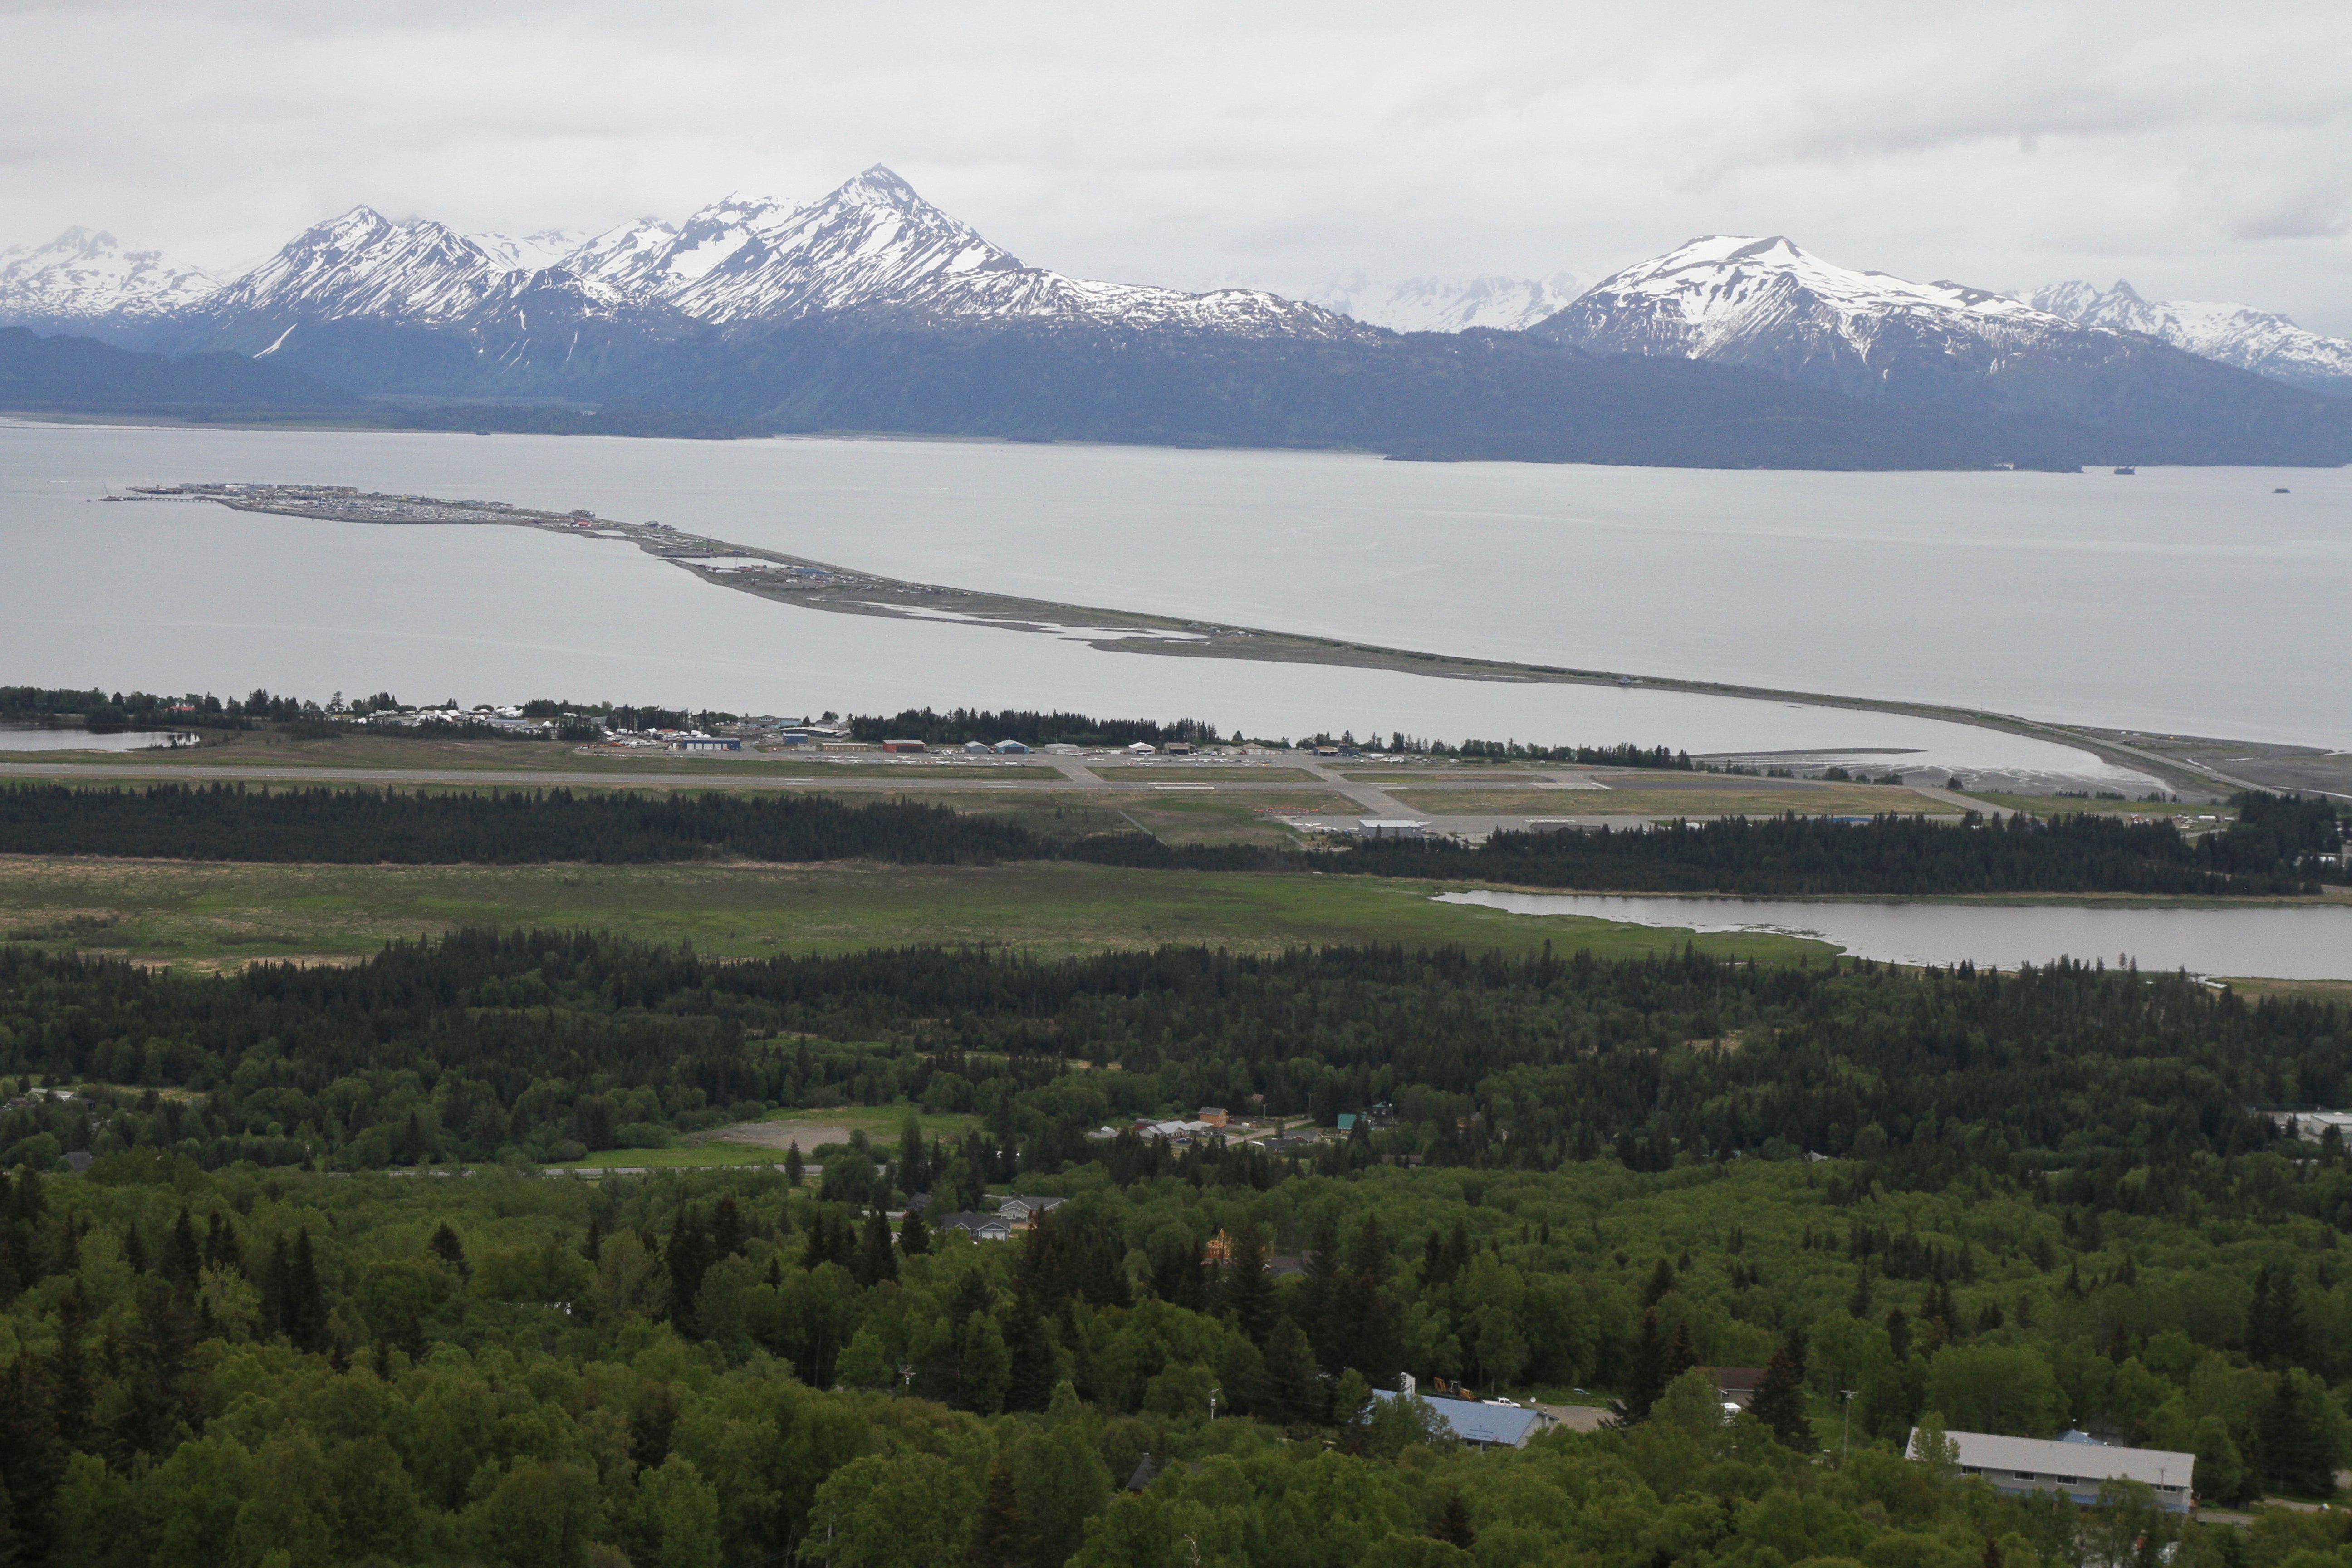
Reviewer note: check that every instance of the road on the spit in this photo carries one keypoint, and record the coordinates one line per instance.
(1584, 792)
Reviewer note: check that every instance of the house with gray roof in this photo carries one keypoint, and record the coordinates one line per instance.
(978, 1226)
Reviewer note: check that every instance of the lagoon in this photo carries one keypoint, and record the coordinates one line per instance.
(2282, 942)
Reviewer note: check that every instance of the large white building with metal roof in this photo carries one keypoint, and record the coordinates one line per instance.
(2078, 1468)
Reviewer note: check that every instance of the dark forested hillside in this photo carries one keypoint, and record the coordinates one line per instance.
(1472, 394)
(81, 374)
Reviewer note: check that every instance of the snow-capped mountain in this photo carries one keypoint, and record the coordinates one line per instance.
(85, 279)
(2259, 341)
(652, 258)
(1447, 304)
(365, 265)
(529, 252)
(2039, 378)
(874, 245)
(1767, 302)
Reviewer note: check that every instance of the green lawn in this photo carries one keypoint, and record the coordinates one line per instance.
(209, 914)
(686, 1156)
(811, 1128)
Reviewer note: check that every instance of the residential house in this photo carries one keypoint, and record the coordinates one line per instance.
(1020, 1210)
(978, 1226)
(1737, 1384)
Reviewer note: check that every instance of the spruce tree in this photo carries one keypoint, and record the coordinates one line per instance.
(998, 1539)
(1681, 1355)
(184, 1257)
(1454, 1524)
(795, 1167)
(1662, 1279)
(1645, 1373)
(1779, 1403)
(1290, 1374)
(1246, 1292)
(32, 1457)
(1033, 1368)
(306, 1297)
(727, 1232)
(446, 1247)
(914, 1236)
(878, 1260)
(2296, 1448)
(69, 1384)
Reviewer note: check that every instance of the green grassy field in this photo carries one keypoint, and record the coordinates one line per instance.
(2057, 806)
(771, 1139)
(1200, 773)
(1630, 799)
(685, 1157)
(209, 915)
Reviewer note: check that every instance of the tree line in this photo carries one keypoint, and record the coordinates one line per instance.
(535, 1046)
(2270, 850)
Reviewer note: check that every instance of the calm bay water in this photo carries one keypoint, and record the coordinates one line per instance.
(2183, 600)
(2284, 943)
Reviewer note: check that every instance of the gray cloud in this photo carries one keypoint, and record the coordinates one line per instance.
(2189, 147)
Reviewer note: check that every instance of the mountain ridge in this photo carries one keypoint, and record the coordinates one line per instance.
(1766, 303)
(2264, 342)
(755, 309)
(1446, 304)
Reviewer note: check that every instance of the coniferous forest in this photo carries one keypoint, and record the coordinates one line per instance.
(311, 1299)
(2271, 849)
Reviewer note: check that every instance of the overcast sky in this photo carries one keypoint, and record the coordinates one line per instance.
(2202, 151)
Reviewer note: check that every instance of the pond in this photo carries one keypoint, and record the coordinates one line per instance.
(2279, 942)
(55, 738)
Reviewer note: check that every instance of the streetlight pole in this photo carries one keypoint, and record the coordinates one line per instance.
(1213, 1402)
(1848, 1424)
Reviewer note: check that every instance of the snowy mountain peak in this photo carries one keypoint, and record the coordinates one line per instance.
(623, 255)
(363, 264)
(1746, 299)
(529, 252)
(84, 277)
(871, 241)
(1447, 304)
(872, 244)
(2259, 341)
(880, 185)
